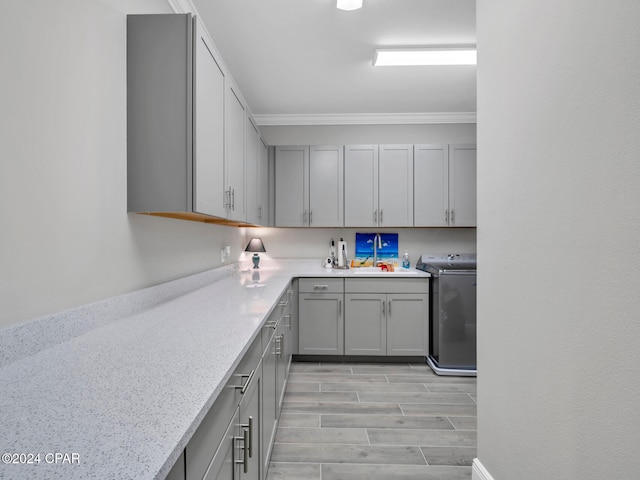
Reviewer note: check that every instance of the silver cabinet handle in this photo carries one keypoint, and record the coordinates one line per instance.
(283, 304)
(271, 324)
(375, 216)
(339, 308)
(245, 460)
(453, 216)
(310, 217)
(446, 216)
(381, 221)
(249, 426)
(233, 199)
(304, 217)
(279, 345)
(243, 388)
(389, 307)
(384, 313)
(288, 317)
(228, 195)
(260, 212)
(320, 287)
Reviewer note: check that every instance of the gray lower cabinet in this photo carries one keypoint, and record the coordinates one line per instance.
(365, 325)
(223, 465)
(386, 316)
(177, 472)
(321, 316)
(276, 359)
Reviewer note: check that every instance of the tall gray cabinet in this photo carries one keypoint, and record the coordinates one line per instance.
(175, 117)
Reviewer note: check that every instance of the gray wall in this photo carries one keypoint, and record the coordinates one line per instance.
(65, 236)
(558, 235)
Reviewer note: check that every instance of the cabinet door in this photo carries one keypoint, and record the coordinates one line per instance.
(223, 466)
(431, 185)
(361, 186)
(263, 183)
(462, 185)
(269, 403)
(292, 199)
(208, 111)
(395, 190)
(235, 161)
(250, 422)
(281, 340)
(407, 324)
(365, 331)
(326, 186)
(252, 173)
(321, 324)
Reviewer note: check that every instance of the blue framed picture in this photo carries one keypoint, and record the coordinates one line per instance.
(386, 249)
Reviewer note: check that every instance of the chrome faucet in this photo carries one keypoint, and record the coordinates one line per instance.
(377, 243)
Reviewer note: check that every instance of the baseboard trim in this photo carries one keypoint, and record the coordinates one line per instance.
(478, 472)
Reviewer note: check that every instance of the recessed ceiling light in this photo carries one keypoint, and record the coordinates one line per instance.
(349, 4)
(425, 56)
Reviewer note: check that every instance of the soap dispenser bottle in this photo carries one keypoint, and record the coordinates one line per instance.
(406, 263)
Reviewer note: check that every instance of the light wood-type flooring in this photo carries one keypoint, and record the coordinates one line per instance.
(376, 422)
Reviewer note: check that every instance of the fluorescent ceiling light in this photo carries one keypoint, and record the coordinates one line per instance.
(425, 56)
(349, 4)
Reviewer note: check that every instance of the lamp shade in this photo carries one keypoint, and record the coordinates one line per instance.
(255, 245)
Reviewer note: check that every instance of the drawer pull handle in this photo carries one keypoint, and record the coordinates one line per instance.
(245, 447)
(250, 427)
(243, 388)
(283, 304)
(271, 324)
(321, 287)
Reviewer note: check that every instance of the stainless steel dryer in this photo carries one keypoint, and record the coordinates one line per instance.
(452, 312)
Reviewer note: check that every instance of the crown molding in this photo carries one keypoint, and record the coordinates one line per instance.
(364, 118)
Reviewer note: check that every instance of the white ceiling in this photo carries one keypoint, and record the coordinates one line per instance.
(305, 57)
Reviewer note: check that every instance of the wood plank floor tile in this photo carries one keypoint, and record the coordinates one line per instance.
(386, 421)
(393, 472)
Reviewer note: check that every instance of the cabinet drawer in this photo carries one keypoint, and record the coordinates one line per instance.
(207, 437)
(321, 285)
(386, 285)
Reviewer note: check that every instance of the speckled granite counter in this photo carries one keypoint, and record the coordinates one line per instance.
(121, 398)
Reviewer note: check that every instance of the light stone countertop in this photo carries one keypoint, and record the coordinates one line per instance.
(123, 399)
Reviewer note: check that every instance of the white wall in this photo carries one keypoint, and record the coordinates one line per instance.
(558, 239)
(314, 242)
(65, 236)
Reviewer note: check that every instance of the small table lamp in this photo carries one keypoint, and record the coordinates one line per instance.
(255, 245)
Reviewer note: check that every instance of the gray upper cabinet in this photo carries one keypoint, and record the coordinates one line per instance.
(173, 97)
(361, 179)
(291, 186)
(462, 186)
(379, 183)
(309, 186)
(431, 167)
(395, 186)
(208, 139)
(445, 185)
(256, 177)
(235, 156)
(326, 186)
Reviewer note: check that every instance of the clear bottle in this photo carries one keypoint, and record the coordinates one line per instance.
(406, 263)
